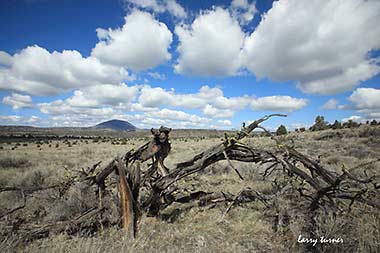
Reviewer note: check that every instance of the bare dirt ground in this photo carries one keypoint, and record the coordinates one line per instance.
(249, 227)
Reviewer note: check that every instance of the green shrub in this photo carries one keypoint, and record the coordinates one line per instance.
(281, 130)
(12, 162)
(336, 125)
(320, 124)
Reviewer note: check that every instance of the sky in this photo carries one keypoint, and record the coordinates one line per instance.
(188, 64)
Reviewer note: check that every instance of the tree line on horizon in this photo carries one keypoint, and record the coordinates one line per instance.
(320, 124)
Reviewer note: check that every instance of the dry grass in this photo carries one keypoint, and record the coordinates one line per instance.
(247, 228)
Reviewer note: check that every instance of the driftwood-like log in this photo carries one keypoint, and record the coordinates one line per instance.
(100, 177)
(126, 199)
(213, 155)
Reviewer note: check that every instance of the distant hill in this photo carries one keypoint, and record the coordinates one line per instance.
(119, 125)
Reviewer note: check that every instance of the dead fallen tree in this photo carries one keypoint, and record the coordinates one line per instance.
(154, 189)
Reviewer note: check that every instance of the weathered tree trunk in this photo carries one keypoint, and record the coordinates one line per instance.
(126, 200)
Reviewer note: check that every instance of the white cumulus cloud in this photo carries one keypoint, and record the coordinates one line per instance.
(103, 95)
(366, 101)
(215, 112)
(159, 6)
(323, 45)
(210, 45)
(225, 122)
(355, 118)
(36, 71)
(278, 103)
(243, 10)
(19, 120)
(157, 75)
(176, 115)
(210, 99)
(331, 104)
(5, 59)
(175, 9)
(366, 98)
(142, 43)
(18, 101)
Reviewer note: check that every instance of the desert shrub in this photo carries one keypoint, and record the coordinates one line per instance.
(370, 132)
(86, 152)
(36, 179)
(13, 162)
(359, 152)
(30, 179)
(358, 230)
(334, 159)
(329, 135)
(78, 199)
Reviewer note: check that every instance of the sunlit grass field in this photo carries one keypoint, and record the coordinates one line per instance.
(249, 227)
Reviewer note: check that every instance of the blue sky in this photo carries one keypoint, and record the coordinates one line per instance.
(188, 64)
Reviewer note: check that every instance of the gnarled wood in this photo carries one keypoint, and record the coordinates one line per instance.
(126, 199)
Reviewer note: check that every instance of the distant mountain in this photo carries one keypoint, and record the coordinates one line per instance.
(119, 125)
